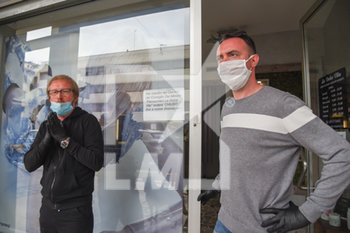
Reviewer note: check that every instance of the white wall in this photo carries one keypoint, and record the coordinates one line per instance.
(279, 48)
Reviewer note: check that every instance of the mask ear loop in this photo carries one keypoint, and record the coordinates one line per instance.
(248, 60)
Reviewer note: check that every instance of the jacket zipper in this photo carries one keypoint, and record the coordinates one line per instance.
(54, 177)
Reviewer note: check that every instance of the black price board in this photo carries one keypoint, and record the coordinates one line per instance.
(333, 101)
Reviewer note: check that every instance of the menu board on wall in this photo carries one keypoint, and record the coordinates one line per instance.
(333, 101)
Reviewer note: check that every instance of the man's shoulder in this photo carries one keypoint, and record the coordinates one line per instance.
(274, 102)
(284, 101)
(272, 91)
(83, 114)
(268, 101)
(80, 112)
(281, 96)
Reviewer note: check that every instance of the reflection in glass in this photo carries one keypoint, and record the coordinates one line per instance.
(132, 74)
(39, 33)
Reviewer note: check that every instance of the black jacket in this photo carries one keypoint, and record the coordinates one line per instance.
(68, 176)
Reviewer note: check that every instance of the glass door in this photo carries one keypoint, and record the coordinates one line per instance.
(131, 62)
(326, 36)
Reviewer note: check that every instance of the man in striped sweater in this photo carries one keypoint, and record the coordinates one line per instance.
(262, 132)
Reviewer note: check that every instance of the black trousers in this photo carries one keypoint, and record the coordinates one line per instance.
(74, 220)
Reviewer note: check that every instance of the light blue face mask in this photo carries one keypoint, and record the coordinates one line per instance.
(61, 109)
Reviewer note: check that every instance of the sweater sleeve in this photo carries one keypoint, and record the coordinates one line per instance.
(91, 154)
(216, 183)
(34, 157)
(334, 150)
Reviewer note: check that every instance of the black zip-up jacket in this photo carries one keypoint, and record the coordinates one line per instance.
(68, 176)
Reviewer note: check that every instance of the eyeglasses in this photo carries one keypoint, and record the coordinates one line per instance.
(64, 92)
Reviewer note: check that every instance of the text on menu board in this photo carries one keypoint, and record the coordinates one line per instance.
(333, 101)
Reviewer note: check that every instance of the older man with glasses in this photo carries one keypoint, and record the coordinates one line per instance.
(69, 145)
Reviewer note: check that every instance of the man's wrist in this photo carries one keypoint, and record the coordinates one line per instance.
(65, 143)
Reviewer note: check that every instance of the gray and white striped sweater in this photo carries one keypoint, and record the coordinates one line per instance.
(260, 143)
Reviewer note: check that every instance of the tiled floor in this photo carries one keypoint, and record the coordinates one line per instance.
(209, 214)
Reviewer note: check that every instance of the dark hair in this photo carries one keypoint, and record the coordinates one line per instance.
(227, 34)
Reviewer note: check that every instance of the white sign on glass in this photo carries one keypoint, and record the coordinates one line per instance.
(163, 104)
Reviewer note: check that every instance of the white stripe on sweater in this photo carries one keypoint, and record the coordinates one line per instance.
(289, 124)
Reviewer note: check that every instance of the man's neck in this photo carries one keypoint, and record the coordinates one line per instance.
(249, 89)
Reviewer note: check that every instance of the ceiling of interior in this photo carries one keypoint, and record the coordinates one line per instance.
(255, 16)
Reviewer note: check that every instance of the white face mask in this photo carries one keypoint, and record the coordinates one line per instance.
(234, 73)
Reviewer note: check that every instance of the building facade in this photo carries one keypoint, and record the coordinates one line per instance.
(146, 69)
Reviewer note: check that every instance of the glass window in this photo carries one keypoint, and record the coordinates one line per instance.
(132, 70)
(327, 61)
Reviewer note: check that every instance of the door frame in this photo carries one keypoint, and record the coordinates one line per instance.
(307, 90)
(195, 144)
